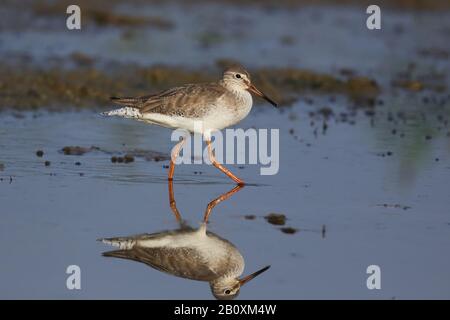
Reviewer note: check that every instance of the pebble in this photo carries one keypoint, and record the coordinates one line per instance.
(276, 219)
(288, 230)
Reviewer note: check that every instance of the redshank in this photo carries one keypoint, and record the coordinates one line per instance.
(215, 106)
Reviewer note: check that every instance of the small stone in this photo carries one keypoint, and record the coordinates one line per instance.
(76, 150)
(288, 230)
(276, 219)
(78, 163)
(326, 112)
(370, 113)
(47, 163)
(128, 158)
(39, 153)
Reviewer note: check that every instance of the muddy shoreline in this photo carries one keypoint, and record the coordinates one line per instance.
(127, 52)
(27, 87)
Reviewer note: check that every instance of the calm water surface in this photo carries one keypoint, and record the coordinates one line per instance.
(340, 182)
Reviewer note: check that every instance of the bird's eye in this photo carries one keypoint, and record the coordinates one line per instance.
(238, 75)
(227, 291)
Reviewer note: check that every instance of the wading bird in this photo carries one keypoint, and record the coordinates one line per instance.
(215, 105)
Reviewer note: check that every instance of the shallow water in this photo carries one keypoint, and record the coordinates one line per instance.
(52, 216)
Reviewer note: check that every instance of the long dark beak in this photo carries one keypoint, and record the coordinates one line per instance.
(251, 276)
(253, 89)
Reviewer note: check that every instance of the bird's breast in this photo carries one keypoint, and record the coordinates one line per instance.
(230, 109)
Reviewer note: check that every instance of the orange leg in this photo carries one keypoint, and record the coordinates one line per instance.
(221, 167)
(173, 204)
(174, 156)
(219, 199)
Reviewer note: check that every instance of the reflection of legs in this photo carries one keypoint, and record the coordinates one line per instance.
(219, 199)
(174, 156)
(172, 202)
(221, 167)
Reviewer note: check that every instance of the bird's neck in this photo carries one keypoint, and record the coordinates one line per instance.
(233, 87)
(226, 280)
(238, 93)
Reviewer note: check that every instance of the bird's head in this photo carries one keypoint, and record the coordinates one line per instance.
(237, 78)
(228, 288)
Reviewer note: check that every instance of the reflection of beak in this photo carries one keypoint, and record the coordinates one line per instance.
(251, 276)
(253, 89)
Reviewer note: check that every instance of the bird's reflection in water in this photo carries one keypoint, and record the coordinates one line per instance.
(195, 254)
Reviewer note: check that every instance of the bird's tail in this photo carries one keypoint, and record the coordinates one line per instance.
(126, 112)
(123, 243)
(126, 101)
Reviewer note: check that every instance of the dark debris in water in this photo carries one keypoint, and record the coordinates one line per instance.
(394, 206)
(276, 219)
(148, 155)
(2, 166)
(39, 153)
(250, 217)
(128, 158)
(385, 154)
(129, 155)
(77, 150)
(10, 179)
(326, 112)
(125, 159)
(408, 84)
(288, 230)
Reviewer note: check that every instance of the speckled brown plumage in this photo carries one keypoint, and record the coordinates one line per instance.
(190, 100)
(183, 261)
